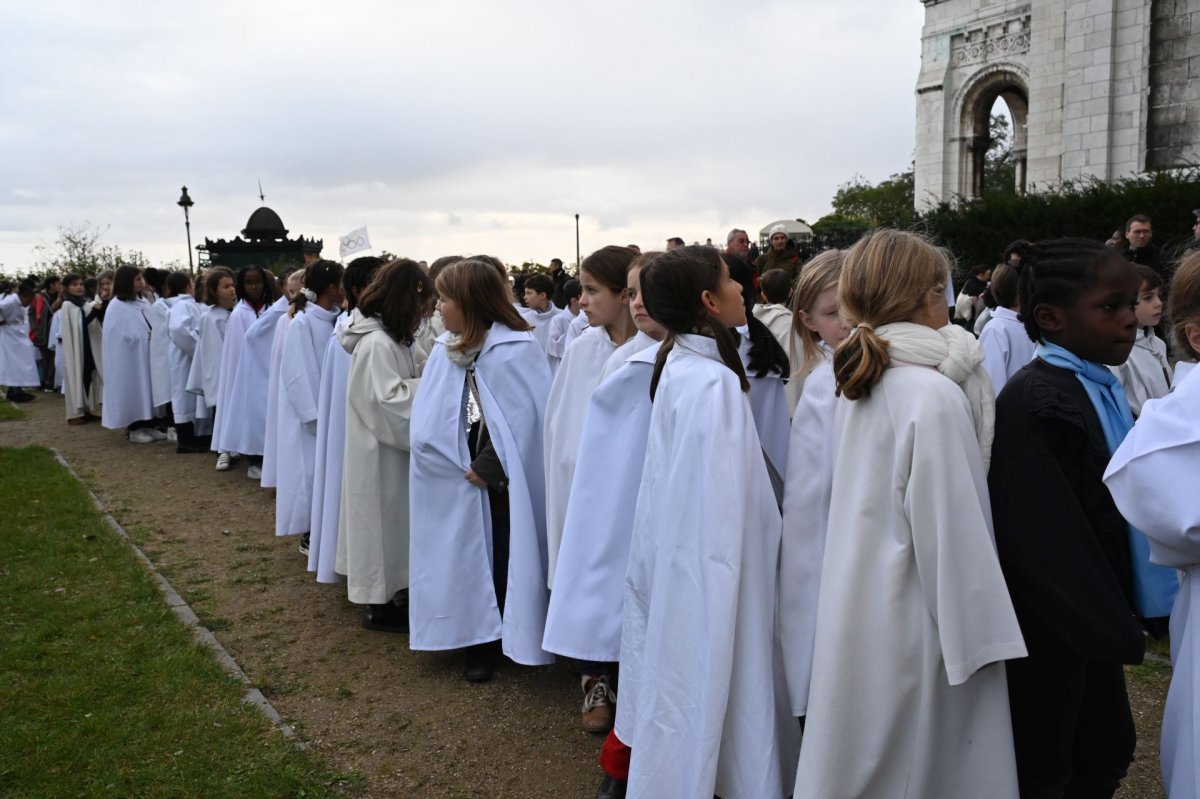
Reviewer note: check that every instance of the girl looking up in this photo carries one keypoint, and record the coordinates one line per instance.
(698, 704)
(913, 620)
(478, 534)
(1073, 571)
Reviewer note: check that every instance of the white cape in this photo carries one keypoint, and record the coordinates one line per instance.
(701, 703)
(18, 359)
(302, 356)
(327, 466)
(914, 619)
(160, 347)
(240, 320)
(372, 537)
(805, 516)
(271, 435)
(1006, 347)
(577, 376)
(127, 391)
(1153, 478)
(78, 399)
(184, 327)
(53, 345)
(245, 430)
(205, 376)
(584, 620)
(452, 601)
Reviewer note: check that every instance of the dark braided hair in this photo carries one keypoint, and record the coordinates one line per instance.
(1054, 272)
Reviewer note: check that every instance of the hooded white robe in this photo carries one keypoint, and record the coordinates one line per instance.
(1146, 373)
(372, 531)
(1006, 347)
(126, 347)
(778, 319)
(18, 359)
(53, 343)
(575, 329)
(577, 376)
(160, 345)
(452, 601)
(270, 477)
(77, 399)
(204, 379)
(584, 620)
(1153, 477)
(302, 357)
(909, 694)
(556, 337)
(805, 517)
(621, 354)
(772, 413)
(239, 322)
(541, 325)
(184, 327)
(245, 429)
(327, 466)
(702, 705)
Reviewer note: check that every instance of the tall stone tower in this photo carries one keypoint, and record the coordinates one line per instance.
(1100, 88)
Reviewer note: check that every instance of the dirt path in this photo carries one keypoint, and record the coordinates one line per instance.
(403, 719)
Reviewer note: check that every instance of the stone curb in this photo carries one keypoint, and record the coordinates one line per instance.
(185, 614)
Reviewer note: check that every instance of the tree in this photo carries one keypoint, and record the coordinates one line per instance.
(77, 249)
(999, 168)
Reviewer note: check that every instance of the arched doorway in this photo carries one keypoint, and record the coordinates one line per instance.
(999, 82)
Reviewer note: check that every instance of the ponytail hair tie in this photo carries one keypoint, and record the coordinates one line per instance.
(864, 326)
(309, 294)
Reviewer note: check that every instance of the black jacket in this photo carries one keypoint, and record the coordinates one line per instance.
(1063, 545)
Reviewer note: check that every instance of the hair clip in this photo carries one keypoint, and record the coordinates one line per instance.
(309, 294)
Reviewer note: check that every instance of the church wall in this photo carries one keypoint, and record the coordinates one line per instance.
(1174, 92)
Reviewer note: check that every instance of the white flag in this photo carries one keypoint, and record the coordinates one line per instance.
(354, 242)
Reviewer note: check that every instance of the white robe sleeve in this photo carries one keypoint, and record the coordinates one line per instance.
(382, 388)
(996, 355)
(296, 369)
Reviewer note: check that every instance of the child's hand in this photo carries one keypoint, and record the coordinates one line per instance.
(474, 479)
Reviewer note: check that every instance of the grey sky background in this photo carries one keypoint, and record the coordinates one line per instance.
(459, 126)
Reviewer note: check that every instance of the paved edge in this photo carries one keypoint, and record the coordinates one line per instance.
(185, 614)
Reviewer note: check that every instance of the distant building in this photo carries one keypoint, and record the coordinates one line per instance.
(263, 242)
(1096, 88)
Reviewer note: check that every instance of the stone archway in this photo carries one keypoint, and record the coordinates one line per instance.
(974, 103)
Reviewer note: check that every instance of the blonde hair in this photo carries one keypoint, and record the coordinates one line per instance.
(1183, 308)
(816, 277)
(886, 277)
(478, 286)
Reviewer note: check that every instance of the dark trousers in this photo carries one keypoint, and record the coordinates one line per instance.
(45, 367)
(1072, 725)
(498, 505)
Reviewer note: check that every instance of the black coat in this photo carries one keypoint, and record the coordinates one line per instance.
(1063, 545)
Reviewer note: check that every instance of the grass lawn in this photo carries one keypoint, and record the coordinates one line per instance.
(9, 412)
(103, 692)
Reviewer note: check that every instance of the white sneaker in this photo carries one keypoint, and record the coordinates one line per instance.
(171, 435)
(254, 472)
(141, 436)
(156, 433)
(224, 462)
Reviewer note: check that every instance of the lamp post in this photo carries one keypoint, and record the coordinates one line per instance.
(185, 202)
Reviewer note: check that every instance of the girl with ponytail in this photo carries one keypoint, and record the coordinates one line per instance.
(910, 583)
(698, 704)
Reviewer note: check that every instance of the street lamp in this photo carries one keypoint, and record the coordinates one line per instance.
(185, 202)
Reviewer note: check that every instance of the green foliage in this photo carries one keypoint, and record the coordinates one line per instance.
(839, 227)
(886, 204)
(78, 249)
(978, 231)
(999, 167)
(103, 691)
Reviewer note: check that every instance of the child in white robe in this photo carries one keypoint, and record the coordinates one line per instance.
(160, 347)
(775, 286)
(331, 428)
(385, 363)
(1006, 345)
(815, 318)
(254, 288)
(1153, 477)
(604, 302)
(183, 326)
(268, 472)
(914, 622)
(205, 375)
(700, 705)
(478, 535)
(1146, 374)
(809, 479)
(128, 401)
(538, 290)
(18, 358)
(556, 343)
(584, 619)
(82, 387)
(313, 312)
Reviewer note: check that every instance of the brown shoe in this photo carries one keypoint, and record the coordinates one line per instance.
(599, 704)
(77, 420)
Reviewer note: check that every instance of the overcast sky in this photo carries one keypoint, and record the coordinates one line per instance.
(449, 127)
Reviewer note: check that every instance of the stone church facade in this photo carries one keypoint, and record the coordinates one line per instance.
(1096, 88)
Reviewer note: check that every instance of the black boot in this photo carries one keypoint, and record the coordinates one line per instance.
(477, 664)
(390, 617)
(186, 440)
(612, 788)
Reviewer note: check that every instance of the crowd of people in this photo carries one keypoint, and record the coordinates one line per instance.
(801, 532)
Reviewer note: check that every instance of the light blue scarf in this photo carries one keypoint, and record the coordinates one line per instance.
(1154, 587)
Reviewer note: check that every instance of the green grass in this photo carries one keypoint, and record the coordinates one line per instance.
(10, 412)
(103, 692)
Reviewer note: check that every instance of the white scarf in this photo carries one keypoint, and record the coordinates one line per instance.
(955, 353)
(458, 356)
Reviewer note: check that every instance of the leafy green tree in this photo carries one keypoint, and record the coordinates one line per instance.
(999, 167)
(77, 249)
